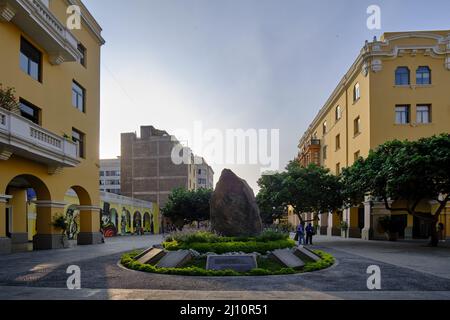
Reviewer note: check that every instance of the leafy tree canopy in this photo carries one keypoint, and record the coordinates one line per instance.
(410, 171)
(311, 189)
(186, 206)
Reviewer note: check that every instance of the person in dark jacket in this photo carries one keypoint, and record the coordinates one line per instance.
(309, 234)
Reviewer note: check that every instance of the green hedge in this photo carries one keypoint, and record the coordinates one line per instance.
(210, 237)
(127, 261)
(235, 246)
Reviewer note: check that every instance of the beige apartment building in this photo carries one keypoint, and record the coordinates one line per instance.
(147, 170)
(398, 88)
(205, 174)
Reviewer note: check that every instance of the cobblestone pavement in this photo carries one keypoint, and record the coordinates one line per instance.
(43, 274)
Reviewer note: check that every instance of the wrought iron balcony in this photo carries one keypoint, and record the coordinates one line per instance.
(36, 20)
(26, 139)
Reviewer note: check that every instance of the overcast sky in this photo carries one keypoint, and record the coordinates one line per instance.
(235, 63)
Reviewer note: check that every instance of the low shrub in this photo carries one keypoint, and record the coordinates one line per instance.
(224, 247)
(188, 237)
(327, 260)
(272, 235)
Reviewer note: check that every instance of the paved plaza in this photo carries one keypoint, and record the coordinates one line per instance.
(409, 270)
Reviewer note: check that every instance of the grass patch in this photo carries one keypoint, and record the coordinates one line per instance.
(197, 267)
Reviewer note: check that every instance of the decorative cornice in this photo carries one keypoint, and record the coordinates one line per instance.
(56, 59)
(52, 170)
(7, 12)
(5, 154)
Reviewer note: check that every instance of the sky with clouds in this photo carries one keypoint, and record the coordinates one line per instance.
(235, 64)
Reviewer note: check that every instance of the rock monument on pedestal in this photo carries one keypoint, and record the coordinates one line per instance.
(234, 211)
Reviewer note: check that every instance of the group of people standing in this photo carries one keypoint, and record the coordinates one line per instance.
(305, 235)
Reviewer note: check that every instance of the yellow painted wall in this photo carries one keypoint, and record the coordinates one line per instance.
(385, 96)
(54, 97)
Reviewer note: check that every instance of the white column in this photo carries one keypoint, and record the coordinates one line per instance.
(330, 224)
(346, 217)
(367, 219)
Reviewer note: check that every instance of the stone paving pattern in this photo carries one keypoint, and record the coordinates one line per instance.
(412, 268)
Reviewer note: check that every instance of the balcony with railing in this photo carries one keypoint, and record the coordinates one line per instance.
(310, 153)
(24, 138)
(37, 21)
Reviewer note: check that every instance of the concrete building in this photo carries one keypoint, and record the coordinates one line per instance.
(147, 170)
(110, 175)
(205, 174)
(49, 133)
(396, 89)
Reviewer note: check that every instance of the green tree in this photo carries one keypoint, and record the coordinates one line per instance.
(187, 206)
(409, 172)
(270, 206)
(307, 189)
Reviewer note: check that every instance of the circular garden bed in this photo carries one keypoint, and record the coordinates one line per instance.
(202, 244)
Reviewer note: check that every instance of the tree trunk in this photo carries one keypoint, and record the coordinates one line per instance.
(434, 241)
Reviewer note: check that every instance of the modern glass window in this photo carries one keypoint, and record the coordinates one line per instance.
(324, 127)
(79, 139)
(357, 126)
(83, 52)
(402, 76)
(402, 114)
(338, 113)
(30, 60)
(423, 114)
(29, 111)
(338, 142)
(356, 92)
(78, 96)
(423, 76)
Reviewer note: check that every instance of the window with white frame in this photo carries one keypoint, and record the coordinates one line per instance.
(423, 114)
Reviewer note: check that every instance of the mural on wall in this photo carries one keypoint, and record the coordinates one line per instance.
(137, 220)
(73, 221)
(107, 224)
(125, 223)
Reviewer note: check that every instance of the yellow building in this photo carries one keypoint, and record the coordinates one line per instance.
(398, 88)
(50, 142)
(119, 216)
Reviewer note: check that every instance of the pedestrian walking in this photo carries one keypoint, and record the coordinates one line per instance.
(301, 234)
(309, 234)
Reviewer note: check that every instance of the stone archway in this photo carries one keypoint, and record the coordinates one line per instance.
(137, 221)
(114, 217)
(90, 224)
(20, 193)
(147, 222)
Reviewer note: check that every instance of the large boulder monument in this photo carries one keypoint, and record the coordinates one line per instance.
(234, 211)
